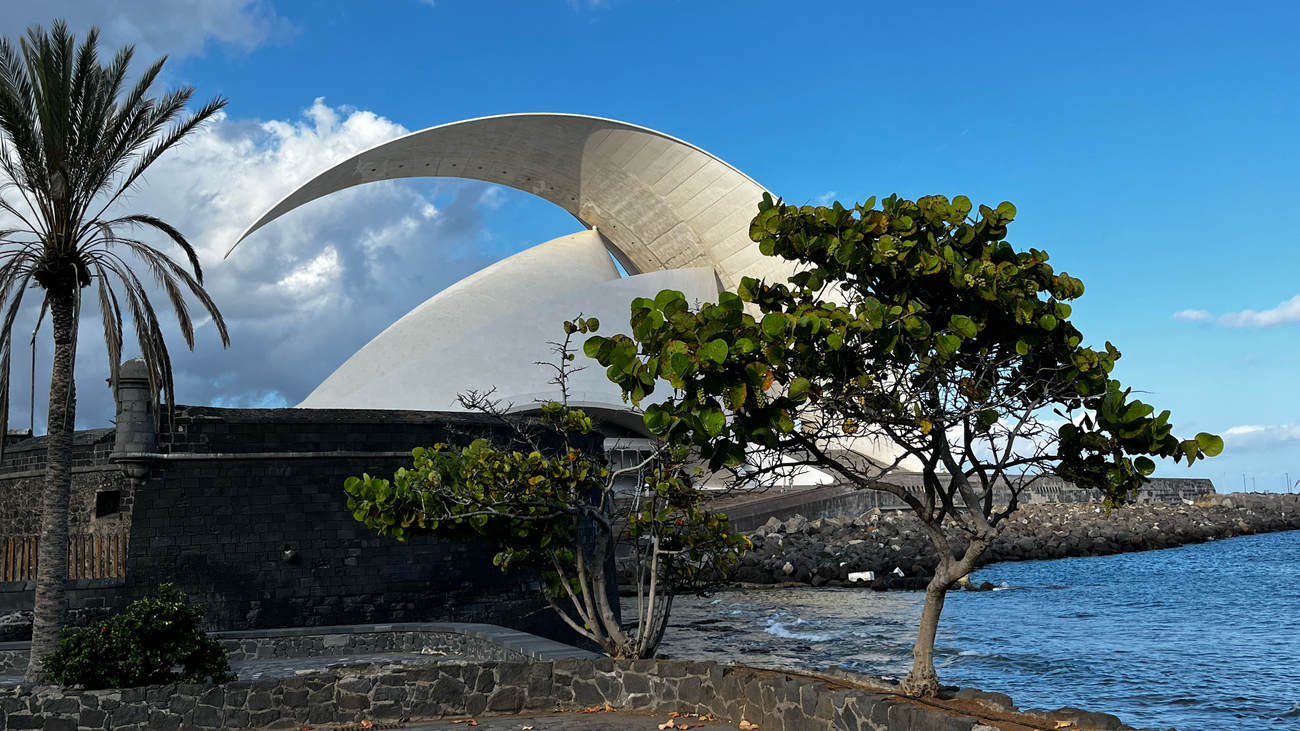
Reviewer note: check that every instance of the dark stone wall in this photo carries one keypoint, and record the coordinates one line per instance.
(232, 488)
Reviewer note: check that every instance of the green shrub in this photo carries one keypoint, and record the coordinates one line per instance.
(156, 641)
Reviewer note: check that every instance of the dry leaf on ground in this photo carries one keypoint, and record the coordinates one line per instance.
(747, 726)
(1062, 724)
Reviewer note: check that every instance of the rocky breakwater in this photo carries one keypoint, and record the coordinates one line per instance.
(890, 550)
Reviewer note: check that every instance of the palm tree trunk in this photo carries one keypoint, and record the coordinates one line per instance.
(51, 604)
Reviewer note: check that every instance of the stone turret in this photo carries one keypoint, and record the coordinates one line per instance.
(136, 444)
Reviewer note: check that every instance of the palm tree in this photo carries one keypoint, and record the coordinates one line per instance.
(74, 137)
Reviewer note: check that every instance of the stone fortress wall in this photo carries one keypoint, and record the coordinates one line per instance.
(244, 510)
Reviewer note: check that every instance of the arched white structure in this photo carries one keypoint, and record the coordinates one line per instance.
(672, 214)
(659, 202)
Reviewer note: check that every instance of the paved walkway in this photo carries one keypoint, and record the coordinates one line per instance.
(617, 721)
(288, 667)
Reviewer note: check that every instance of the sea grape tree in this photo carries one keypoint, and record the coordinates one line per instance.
(551, 506)
(912, 330)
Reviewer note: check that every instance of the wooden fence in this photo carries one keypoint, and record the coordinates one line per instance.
(89, 557)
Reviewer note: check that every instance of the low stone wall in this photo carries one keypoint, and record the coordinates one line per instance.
(775, 701)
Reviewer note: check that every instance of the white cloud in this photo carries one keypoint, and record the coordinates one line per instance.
(304, 293)
(1284, 313)
(1255, 436)
(1192, 316)
(316, 274)
(827, 198)
(178, 27)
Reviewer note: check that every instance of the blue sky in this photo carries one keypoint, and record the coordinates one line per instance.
(1149, 147)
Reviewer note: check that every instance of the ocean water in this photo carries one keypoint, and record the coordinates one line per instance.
(1199, 638)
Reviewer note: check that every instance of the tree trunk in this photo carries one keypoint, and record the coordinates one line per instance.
(922, 681)
(50, 609)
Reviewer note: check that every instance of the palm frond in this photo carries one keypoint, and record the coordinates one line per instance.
(143, 219)
(10, 275)
(171, 139)
(162, 269)
(110, 313)
(149, 336)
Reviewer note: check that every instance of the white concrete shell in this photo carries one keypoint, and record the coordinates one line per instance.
(660, 203)
(490, 329)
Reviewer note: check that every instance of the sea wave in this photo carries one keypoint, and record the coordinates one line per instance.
(780, 630)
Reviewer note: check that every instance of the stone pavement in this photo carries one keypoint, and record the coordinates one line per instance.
(288, 667)
(569, 721)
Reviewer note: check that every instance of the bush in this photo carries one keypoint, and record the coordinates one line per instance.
(156, 641)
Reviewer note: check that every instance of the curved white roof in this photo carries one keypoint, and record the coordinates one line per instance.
(491, 329)
(660, 203)
(567, 264)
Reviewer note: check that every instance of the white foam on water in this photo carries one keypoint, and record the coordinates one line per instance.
(778, 629)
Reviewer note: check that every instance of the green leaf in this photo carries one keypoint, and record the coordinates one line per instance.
(799, 388)
(735, 396)
(730, 301)
(776, 324)
(1047, 322)
(714, 350)
(1022, 348)
(668, 295)
(714, 421)
(1136, 410)
(1210, 444)
(656, 418)
(592, 347)
(963, 326)
(1144, 465)
(947, 344)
